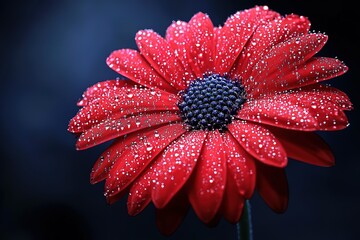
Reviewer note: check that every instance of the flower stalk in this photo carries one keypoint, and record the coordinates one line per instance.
(244, 226)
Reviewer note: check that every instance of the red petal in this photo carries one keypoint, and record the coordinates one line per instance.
(161, 57)
(98, 101)
(307, 147)
(199, 43)
(214, 221)
(121, 101)
(315, 70)
(265, 37)
(209, 180)
(329, 117)
(236, 32)
(175, 166)
(148, 182)
(282, 59)
(140, 193)
(217, 36)
(114, 198)
(240, 166)
(327, 105)
(136, 158)
(323, 105)
(278, 111)
(308, 109)
(117, 126)
(132, 65)
(175, 35)
(259, 142)
(272, 185)
(108, 158)
(99, 89)
(233, 202)
(331, 94)
(169, 218)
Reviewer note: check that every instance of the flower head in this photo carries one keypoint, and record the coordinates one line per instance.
(208, 114)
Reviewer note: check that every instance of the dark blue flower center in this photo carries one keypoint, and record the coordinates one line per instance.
(211, 102)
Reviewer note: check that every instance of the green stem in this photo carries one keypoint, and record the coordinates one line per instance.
(244, 226)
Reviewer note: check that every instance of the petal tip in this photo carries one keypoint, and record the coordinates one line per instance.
(80, 145)
(159, 203)
(94, 179)
(284, 163)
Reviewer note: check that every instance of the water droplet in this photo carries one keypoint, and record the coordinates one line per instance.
(137, 122)
(156, 134)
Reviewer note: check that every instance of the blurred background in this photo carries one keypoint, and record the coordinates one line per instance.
(51, 51)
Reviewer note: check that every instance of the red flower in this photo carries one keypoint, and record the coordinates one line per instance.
(208, 114)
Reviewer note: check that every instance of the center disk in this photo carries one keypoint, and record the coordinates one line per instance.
(211, 102)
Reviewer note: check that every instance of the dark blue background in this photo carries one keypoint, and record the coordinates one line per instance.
(51, 51)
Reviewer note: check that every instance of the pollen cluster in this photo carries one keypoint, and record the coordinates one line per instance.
(211, 102)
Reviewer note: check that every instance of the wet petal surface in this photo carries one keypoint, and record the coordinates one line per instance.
(139, 155)
(129, 63)
(118, 126)
(175, 166)
(208, 183)
(236, 32)
(259, 142)
(161, 56)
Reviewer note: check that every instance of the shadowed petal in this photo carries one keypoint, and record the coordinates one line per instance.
(307, 147)
(214, 221)
(271, 182)
(169, 218)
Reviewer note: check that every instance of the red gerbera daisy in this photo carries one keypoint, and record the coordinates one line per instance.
(208, 114)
